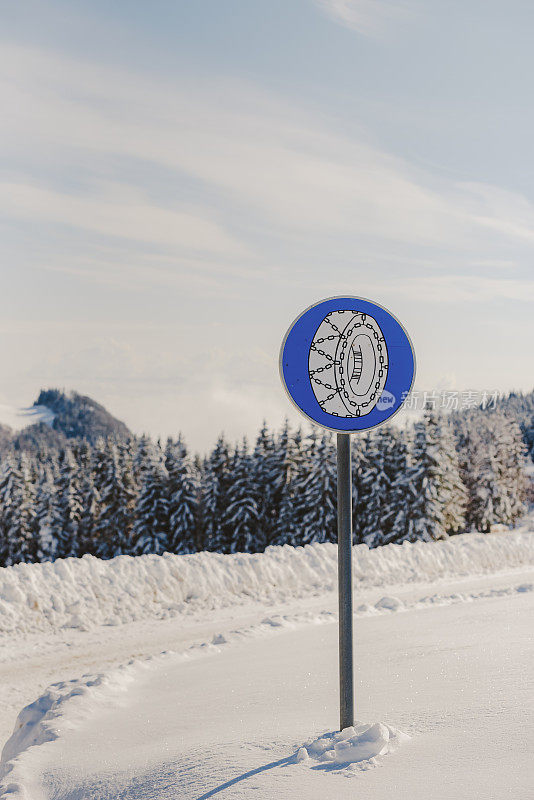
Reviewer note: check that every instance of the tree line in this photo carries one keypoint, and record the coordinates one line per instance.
(440, 476)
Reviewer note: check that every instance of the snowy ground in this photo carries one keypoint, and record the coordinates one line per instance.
(251, 685)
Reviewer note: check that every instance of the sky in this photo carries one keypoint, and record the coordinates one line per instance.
(179, 180)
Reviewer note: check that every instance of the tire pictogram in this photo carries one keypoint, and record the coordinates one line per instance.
(348, 363)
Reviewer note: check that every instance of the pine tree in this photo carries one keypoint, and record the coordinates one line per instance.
(99, 468)
(27, 544)
(434, 503)
(241, 517)
(528, 437)
(216, 482)
(207, 504)
(454, 491)
(381, 469)
(129, 490)
(17, 509)
(375, 488)
(90, 497)
(425, 518)
(470, 446)
(396, 511)
(286, 465)
(46, 489)
(359, 464)
(305, 447)
(511, 451)
(319, 492)
(68, 507)
(5, 503)
(117, 500)
(183, 498)
(151, 529)
(491, 452)
(266, 474)
(498, 483)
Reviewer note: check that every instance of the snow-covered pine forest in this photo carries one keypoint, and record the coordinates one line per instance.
(442, 475)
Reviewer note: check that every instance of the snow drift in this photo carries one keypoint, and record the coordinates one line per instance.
(357, 747)
(85, 592)
(44, 719)
(61, 708)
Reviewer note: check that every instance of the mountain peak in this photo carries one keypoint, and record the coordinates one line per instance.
(55, 417)
(79, 416)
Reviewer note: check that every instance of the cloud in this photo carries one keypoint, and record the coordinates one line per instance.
(258, 166)
(139, 382)
(368, 17)
(119, 211)
(459, 288)
(503, 211)
(227, 210)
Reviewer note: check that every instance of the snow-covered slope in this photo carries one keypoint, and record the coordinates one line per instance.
(18, 418)
(82, 593)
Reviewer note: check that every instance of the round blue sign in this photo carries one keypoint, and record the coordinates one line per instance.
(347, 364)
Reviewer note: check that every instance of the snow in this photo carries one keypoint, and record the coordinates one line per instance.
(443, 655)
(390, 603)
(88, 592)
(449, 683)
(357, 747)
(44, 719)
(18, 418)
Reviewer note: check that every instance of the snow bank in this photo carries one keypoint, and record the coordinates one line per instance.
(85, 592)
(43, 720)
(355, 748)
(389, 604)
(61, 708)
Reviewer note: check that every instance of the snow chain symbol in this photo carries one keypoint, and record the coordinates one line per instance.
(348, 363)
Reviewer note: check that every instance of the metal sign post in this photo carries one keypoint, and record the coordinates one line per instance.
(348, 365)
(344, 573)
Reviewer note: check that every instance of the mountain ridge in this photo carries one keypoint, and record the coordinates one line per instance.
(62, 416)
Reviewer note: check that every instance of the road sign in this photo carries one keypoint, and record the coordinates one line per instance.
(348, 365)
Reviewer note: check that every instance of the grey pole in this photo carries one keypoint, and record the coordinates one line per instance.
(344, 538)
